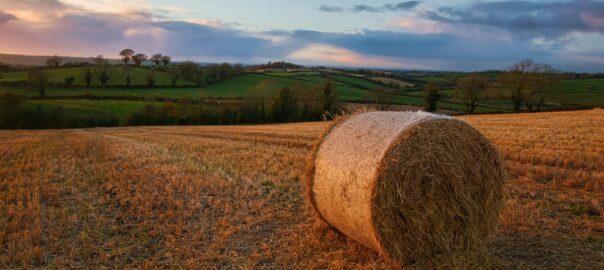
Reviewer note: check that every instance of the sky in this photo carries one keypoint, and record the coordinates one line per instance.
(464, 35)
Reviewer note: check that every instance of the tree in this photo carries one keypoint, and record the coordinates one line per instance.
(188, 70)
(526, 83)
(157, 58)
(285, 106)
(39, 80)
(10, 111)
(151, 79)
(128, 78)
(260, 96)
(103, 74)
(329, 97)
(88, 75)
(174, 75)
(126, 55)
(54, 61)
(139, 58)
(470, 89)
(166, 60)
(432, 94)
(99, 60)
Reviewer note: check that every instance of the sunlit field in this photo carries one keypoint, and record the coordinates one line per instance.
(232, 197)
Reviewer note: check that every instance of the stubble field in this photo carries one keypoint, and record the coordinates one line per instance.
(232, 198)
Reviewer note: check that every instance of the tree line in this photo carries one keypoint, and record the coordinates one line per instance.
(525, 84)
(289, 104)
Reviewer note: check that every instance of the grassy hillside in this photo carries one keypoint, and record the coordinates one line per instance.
(118, 76)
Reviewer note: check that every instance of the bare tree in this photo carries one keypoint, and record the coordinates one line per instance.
(166, 60)
(470, 89)
(157, 59)
(39, 80)
(139, 58)
(53, 61)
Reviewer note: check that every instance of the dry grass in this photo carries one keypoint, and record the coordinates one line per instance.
(231, 197)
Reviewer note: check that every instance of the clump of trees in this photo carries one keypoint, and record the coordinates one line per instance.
(526, 83)
(13, 115)
(191, 71)
(138, 59)
(289, 104)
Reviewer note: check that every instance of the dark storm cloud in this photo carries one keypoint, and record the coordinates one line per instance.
(326, 8)
(6, 17)
(403, 6)
(528, 19)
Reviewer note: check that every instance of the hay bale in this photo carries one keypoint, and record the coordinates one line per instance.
(408, 185)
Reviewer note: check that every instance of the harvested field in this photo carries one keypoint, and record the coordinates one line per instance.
(232, 197)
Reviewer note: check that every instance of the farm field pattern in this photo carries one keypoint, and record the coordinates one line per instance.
(231, 197)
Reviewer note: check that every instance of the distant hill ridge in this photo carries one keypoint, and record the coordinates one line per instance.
(40, 60)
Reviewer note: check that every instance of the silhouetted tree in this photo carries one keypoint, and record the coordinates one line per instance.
(166, 60)
(126, 55)
(139, 58)
(157, 58)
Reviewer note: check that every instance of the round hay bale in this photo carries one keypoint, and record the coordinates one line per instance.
(409, 185)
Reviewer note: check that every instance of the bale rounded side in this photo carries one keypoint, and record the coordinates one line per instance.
(362, 170)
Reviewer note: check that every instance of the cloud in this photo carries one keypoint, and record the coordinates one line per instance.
(447, 38)
(366, 8)
(6, 17)
(326, 8)
(528, 19)
(402, 6)
(327, 54)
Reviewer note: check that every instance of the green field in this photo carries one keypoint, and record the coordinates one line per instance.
(91, 108)
(349, 88)
(118, 76)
